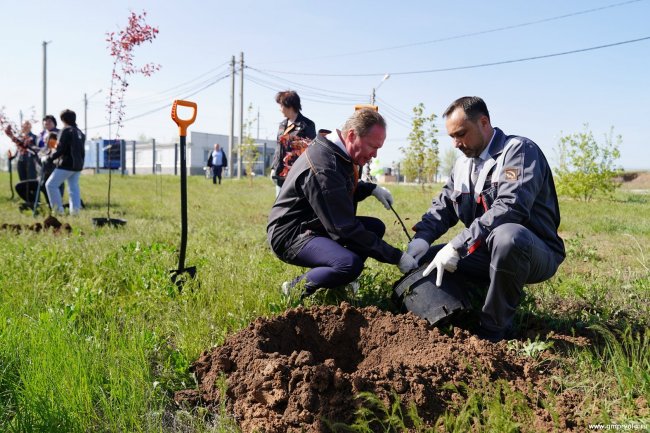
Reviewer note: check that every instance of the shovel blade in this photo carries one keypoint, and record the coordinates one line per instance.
(179, 276)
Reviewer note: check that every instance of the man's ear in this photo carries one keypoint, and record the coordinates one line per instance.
(485, 121)
(350, 135)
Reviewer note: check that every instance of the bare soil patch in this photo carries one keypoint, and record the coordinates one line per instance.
(50, 223)
(636, 180)
(289, 373)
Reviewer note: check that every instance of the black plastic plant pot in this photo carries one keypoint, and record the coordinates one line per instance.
(111, 222)
(421, 296)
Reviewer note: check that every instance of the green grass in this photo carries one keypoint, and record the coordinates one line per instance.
(95, 337)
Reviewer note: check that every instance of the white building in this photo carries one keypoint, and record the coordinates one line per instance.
(136, 157)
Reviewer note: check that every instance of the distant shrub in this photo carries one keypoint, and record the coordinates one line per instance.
(587, 167)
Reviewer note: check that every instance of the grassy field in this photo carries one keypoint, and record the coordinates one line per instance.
(94, 336)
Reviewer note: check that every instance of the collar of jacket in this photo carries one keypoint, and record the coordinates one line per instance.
(332, 147)
(498, 143)
(299, 122)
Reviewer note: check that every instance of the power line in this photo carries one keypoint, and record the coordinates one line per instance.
(166, 106)
(337, 101)
(158, 97)
(456, 68)
(306, 95)
(304, 86)
(395, 119)
(466, 35)
(324, 93)
(386, 106)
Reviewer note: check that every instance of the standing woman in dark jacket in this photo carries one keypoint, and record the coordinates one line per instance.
(294, 125)
(71, 153)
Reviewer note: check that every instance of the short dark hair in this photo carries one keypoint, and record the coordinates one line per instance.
(473, 106)
(69, 117)
(50, 117)
(289, 99)
(362, 121)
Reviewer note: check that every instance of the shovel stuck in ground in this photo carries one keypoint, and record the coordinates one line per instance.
(179, 275)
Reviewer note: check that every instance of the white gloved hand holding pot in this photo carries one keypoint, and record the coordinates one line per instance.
(446, 260)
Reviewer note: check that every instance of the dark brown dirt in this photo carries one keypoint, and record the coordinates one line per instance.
(288, 373)
(50, 223)
(635, 180)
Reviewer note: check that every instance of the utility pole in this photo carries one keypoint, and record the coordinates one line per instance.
(241, 115)
(45, 77)
(20, 115)
(231, 139)
(258, 122)
(374, 89)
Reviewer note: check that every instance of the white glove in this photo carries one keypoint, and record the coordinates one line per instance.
(407, 263)
(417, 248)
(383, 195)
(446, 260)
(272, 174)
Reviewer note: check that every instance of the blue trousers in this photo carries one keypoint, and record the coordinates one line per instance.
(511, 257)
(333, 264)
(52, 186)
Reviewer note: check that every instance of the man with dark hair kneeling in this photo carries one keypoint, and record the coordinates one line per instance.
(502, 189)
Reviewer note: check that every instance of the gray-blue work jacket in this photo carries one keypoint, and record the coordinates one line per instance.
(515, 186)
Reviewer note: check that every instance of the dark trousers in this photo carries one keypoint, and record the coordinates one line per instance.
(26, 168)
(511, 257)
(216, 173)
(332, 264)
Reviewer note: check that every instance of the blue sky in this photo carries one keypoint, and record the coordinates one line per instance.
(541, 99)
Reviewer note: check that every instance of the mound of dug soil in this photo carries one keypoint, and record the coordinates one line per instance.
(50, 223)
(288, 373)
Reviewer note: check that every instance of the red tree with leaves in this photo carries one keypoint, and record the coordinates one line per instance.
(121, 46)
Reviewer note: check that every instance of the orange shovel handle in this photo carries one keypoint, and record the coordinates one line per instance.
(183, 123)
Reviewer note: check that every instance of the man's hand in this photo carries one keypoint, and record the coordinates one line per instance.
(446, 260)
(407, 263)
(383, 195)
(417, 248)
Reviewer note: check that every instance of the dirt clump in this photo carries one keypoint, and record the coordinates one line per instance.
(291, 372)
(50, 223)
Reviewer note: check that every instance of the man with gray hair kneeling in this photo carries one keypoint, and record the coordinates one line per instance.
(313, 222)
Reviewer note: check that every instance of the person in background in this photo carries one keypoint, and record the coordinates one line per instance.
(502, 189)
(295, 125)
(217, 161)
(25, 150)
(47, 167)
(49, 126)
(313, 222)
(70, 152)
